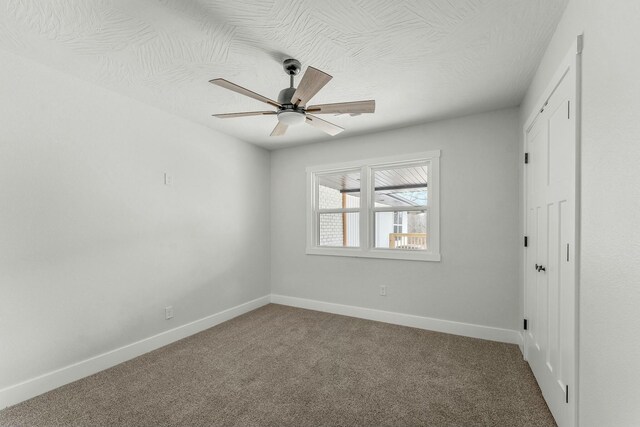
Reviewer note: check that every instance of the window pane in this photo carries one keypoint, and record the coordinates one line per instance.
(340, 190)
(401, 230)
(340, 229)
(401, 186)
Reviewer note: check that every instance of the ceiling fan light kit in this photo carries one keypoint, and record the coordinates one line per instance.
(292, 101)
(291, 117)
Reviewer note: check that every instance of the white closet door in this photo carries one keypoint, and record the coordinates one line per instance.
(550, 285)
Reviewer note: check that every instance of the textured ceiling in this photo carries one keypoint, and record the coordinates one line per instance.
(420, 60)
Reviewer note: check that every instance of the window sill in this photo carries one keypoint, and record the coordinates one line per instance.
(375, 253)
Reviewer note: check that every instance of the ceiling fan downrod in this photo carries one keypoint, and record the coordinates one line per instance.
(292, 68)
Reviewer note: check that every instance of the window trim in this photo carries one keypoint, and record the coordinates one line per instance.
(367, 248)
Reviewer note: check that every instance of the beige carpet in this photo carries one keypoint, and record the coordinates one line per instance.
(283, 366)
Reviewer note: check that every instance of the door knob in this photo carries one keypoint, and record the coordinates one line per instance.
(540, 268)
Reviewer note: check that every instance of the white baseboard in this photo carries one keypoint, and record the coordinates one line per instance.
(33, 387)
(521, 343)
(447, 326)
(30, 388)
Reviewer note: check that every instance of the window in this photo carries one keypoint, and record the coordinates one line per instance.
(338, 209)
(379, 208)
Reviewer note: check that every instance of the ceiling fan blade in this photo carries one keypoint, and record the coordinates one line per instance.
(243, 91)
(356, 107)
(311, 83)
(324, 125)
(279, 130)
(247, 114)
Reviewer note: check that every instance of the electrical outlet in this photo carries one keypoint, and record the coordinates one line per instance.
(383, 291)
(168, 179)
(168, 312)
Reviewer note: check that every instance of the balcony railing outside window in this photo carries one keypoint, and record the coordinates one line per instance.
(415, 241)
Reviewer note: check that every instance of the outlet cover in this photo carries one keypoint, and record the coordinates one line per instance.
(168, 312)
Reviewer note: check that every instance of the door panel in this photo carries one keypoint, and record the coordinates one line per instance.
(550, 290)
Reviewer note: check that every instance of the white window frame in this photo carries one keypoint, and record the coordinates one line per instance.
(367, 247)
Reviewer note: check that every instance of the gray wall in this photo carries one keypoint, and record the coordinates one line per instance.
(476, 281)
(93, 246)
(609, 294)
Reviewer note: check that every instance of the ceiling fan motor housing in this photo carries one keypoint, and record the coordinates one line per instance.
(288, 113)
(285, 95)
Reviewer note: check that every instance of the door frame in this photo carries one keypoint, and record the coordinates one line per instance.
(572, 62)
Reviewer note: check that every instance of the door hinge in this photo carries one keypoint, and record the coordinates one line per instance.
(569, 109)
(544, 105)
(526, 325)
(566, 393)
(580, 44)
(526, 241)
(567, 252)
(526, 158)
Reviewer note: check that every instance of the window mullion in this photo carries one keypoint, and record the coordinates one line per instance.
(315, 220)
(401, 209)
(364, 209)
(338, 210)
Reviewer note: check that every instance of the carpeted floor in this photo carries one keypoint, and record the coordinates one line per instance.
(283, 366)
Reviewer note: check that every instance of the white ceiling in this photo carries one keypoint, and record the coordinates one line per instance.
(420, 60)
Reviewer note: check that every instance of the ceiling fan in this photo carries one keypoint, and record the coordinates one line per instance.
(291, 106)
